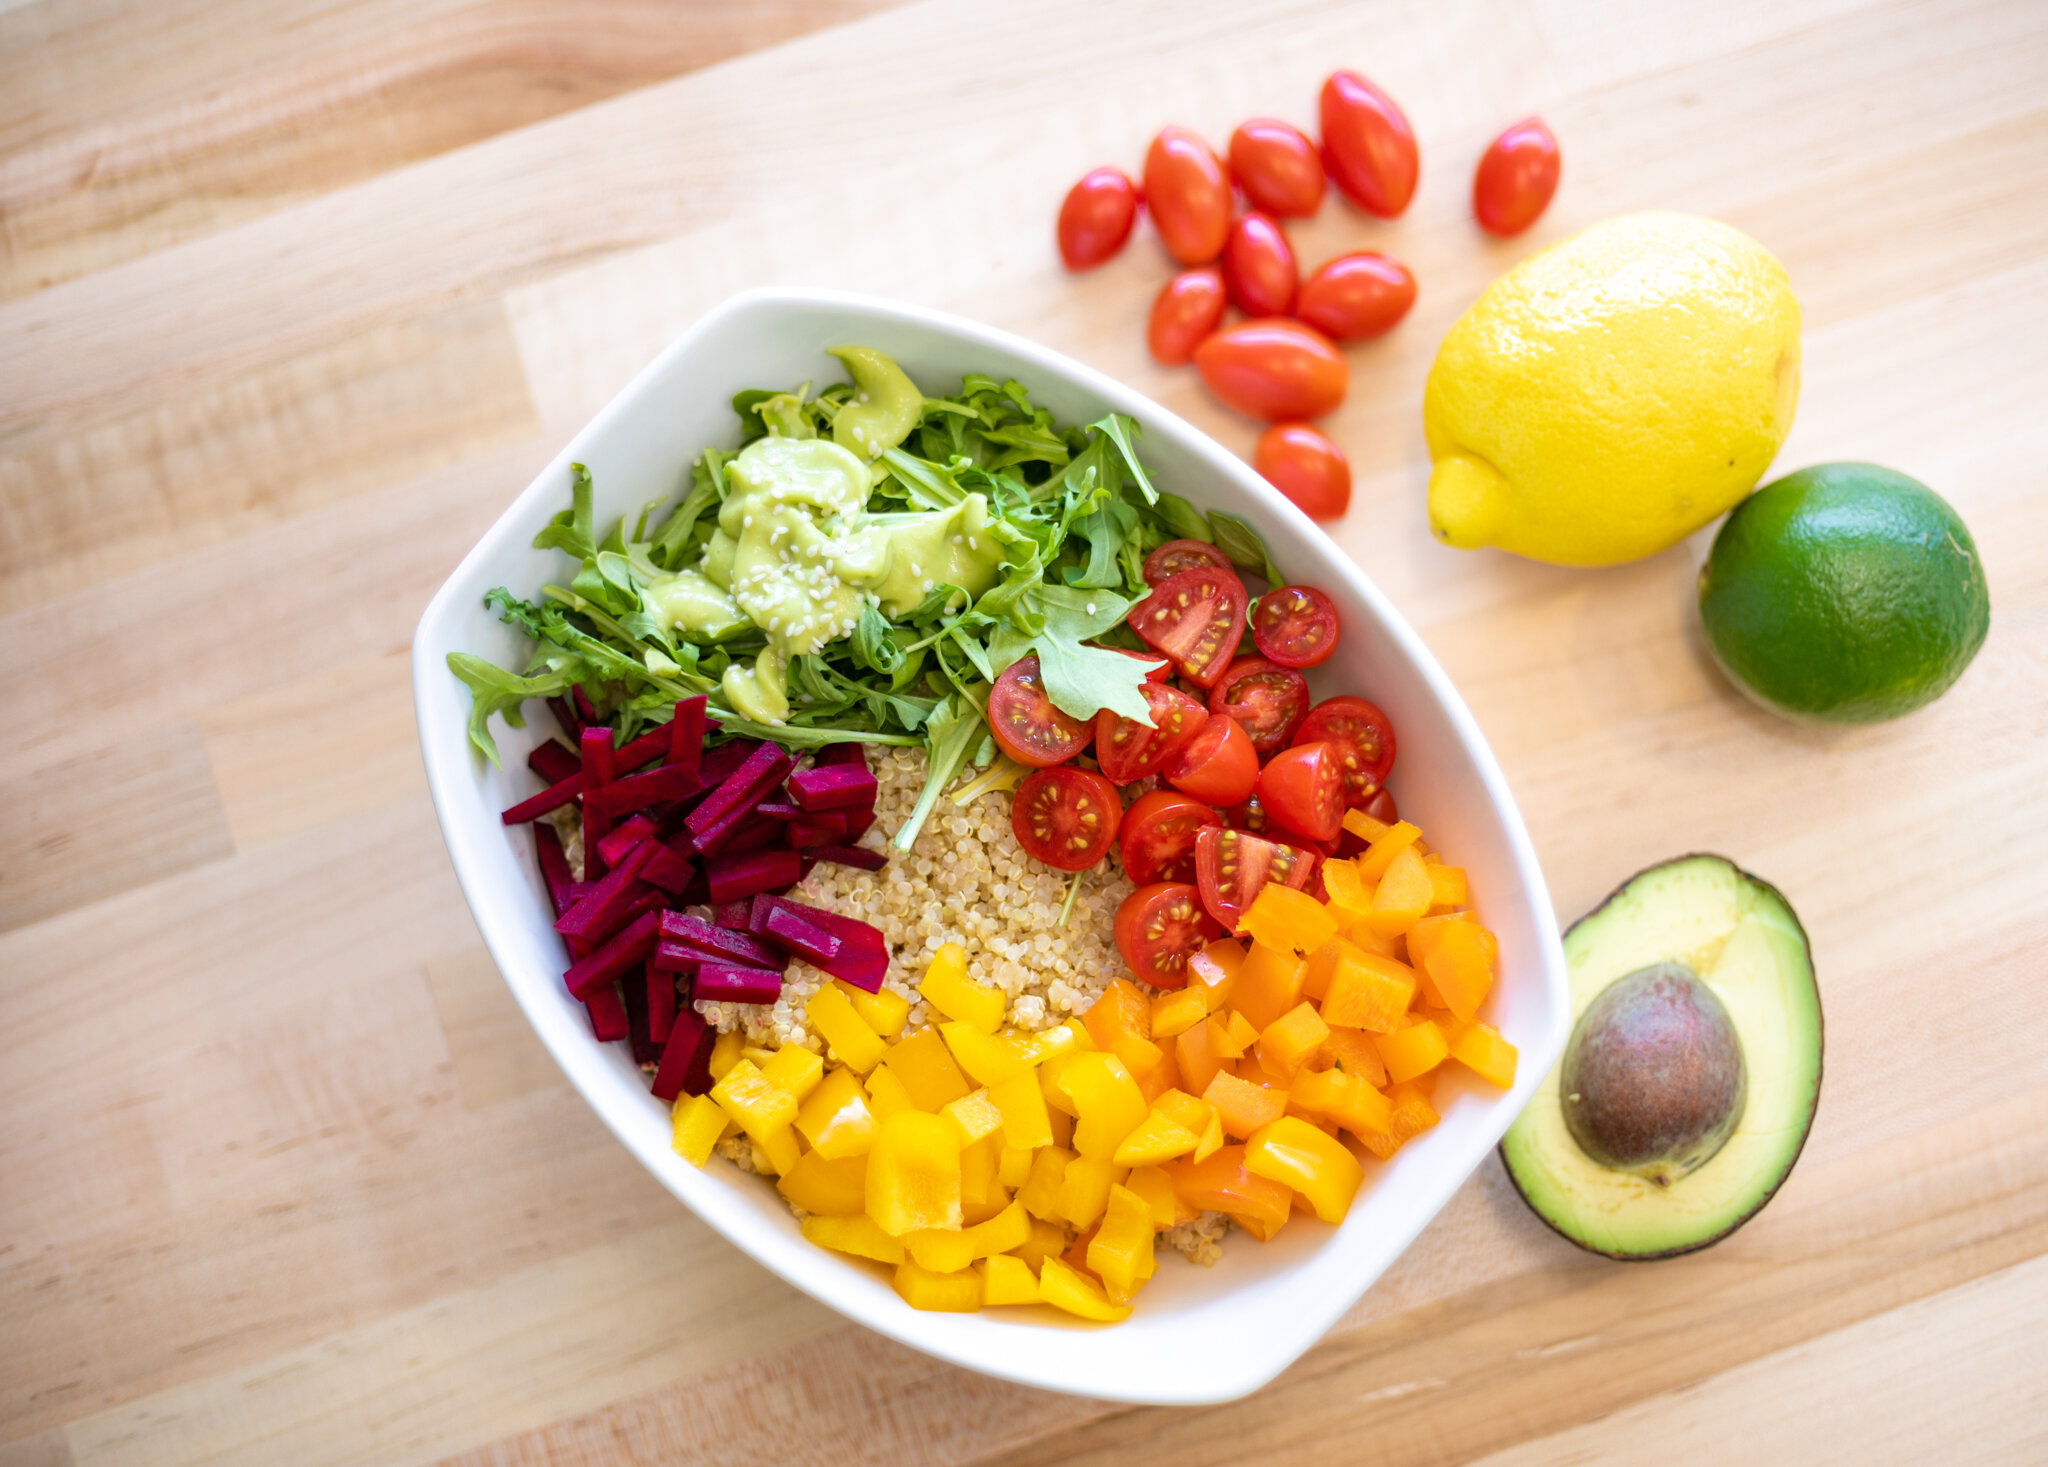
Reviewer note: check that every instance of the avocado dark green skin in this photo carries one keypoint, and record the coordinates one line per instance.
(1819, 1069)
(1844, 593)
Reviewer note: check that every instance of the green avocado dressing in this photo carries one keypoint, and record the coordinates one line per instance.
(796, 553)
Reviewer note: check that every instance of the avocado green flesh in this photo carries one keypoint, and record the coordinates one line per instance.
(1743, 941)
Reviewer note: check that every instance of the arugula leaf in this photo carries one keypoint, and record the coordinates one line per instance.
(1182, 520)
(494, 690)
(1081, 680)
(574, 530)
(950, 733)
(1123, 432)
(1235, 537)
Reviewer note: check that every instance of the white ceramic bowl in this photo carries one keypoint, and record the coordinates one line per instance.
(1198, 1335)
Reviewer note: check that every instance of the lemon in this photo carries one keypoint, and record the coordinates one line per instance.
(1609, 396)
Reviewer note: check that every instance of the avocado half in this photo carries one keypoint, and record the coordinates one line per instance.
(1697, 917)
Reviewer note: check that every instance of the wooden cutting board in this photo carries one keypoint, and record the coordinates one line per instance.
(294, 297)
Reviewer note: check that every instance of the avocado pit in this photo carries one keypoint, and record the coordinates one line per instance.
(1654, 1080)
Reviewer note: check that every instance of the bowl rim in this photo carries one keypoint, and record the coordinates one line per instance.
(1223, 1379)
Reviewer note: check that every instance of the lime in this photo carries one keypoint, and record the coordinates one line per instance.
(1844, 593)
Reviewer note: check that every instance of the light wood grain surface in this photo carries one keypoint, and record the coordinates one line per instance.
(295, 295)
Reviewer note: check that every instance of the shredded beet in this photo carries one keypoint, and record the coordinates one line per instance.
(613, 847)
(833, 787)
(720, 814)
(670, 871)
(685, 1067)
(627, 948)
(554, 868)
(733, 914)
(686, 733)
(553, 760)
(736, 876)
(827, 829)
(660, 989)
(729, 983)
(859, 857)
(695, 935)
(600, 913)
(848, 753)
(552, 798)
(842, 946)
(607, 1012)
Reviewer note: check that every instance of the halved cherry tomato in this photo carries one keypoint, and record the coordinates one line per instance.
(1176, 556)
(1295, 626)
(1516, 177)
(1025, 722)
(1302, 789)
(1356, 297)
(1194, 618)
(1218, 764)
(1096, 217)
(1254, 818)
(1306, 465)
(1276, 166)
(1128, 750)
(1258, 267)
(1158, 840)
(1185, 313)
(1382, 808)
(1066, 817)
(1231, 867)
(1268, 699)
(1365, 743)
(1368, 146)
(1274, 369)
(1159, 927)
(1188, 196)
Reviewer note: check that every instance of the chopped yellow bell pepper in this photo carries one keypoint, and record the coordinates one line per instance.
(1214, 969)
(776, 1151)
(976, 1116)
(1007, 1279)
(1152, 1184)
(1268, 985)
(1121, 1252)
(1348, 1099)
(832, 1015)
(1013, 1165)
(1048, 1239)
(1178, 1010)
(1398, 837)
(947, 988)
(758, 1054)
(1064, 1288)
(756, 1103)
(886, 1093)
(884, 1012)
(835, 1118)
(1040, 1193)
(1084, 1189)
(856, 1235)
(1107, 1103)
(698, 1122)
(1049, 1081)
(1159, 1137)
(939, 1293)
(913, 1173)
(794, 1069)
(1198, 1116)
(987, 1060)
(725, 1052)
(827, 1188)
(1311, 1161)
(1291, 1041)
(1286, 919)
(1021, 1104)
(1411, 1051)
(925, 1066)
(981, 1194)
(1402, 897)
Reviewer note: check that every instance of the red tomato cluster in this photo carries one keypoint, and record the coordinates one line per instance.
(1255, 779)
(1281, 363)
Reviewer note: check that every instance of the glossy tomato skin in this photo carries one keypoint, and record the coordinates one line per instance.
(1368, 147)
(1364, 737)
(1231, 867)
(1258, 266)
(1302, 789)
(1356, 297)
(1066, 817)
(1277, 167)
(1185, 313)
(1295, 626)
(1516, 178)
(1305, 464)
(1268, 699)
(1194, 618)
(1025, 723)
(1159, 927)
(1128, 750)
(1188, 196)
(1096, 217)
(1275, 369)
(1218, 765)
(1176, 556)
(1157, 842)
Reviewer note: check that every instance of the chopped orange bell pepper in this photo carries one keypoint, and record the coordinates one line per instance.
(1367, 991)
(1448, 885)
(853, 1043)
(857, 1235)
(1064, 1288)
(884, 1012)
(1379, 856)
(1162, 1077)
(1268, 985)
(913, 1174)
(1243, 1107)
(1107, 1103)
(1403, 896)
(925, 1066)
(1364, 826)
(1352, 1050)
(1460, 971)
(1287, 920)
(1121, 1253)
(944, 1293)
(1040, 1193)
(1298, 1155)
(1120, 1022)
(1350, 893)
(696, 1122)
(835, 1117)
(1214, 969)
(1084, 1189)
(1007, 1279)
(1291, 1040)
(1021, 1103)
(827, 1188)
(1411, 1051)
(1196, 1055)
(1347, 1100)
(1481, 1049)
(1178, 1010)
(1223, 1184)
(947, 988)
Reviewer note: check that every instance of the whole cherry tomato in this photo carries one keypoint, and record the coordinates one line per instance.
(1302, 463)
(1357, 296)
(1516, 177)
(1276, 166)
(1185, 313)
(1096, 217)
(1188, 194)
(1368, 146)
(1273, 369)
(1258, 267)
